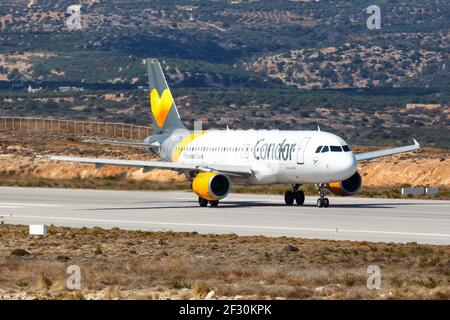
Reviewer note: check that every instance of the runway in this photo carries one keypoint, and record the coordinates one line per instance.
(378, 220)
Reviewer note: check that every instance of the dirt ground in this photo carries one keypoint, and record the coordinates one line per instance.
(118, 264)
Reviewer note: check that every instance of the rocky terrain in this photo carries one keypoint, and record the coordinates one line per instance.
(347, 66)
(411, 49)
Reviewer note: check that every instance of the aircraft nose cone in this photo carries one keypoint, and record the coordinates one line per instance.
(348, 166)
(351, 163)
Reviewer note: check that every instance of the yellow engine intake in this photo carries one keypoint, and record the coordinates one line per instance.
(347, 187)
(211, 185)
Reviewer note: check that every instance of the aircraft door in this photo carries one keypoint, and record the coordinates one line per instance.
(301, 150)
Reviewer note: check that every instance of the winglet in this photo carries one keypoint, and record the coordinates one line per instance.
(417, 144)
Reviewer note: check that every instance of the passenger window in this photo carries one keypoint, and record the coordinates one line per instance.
(318, 149)
(346, 148)
(336, 149)
(325, 149)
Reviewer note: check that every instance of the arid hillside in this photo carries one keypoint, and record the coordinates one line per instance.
(427, 167)
(21, 159)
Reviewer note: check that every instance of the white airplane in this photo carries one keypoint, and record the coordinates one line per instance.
(215, 159)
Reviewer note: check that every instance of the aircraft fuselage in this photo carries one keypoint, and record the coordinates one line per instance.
(275, 156)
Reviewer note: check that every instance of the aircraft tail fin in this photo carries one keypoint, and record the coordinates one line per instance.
(163, 109)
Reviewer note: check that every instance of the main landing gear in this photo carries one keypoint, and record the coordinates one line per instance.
(203, 202)
(322, 202)
(295, 195)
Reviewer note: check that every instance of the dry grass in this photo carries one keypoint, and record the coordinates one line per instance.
(118, 264)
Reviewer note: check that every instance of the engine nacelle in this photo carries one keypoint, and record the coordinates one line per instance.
(347, 187)
(211, 185)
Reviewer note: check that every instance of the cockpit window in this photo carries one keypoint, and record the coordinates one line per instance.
(325, 149)
(346, 148)
(318, 149)
(335, 149)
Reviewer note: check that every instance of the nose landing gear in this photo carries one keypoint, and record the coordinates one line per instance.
(322, 201)
(295, 195)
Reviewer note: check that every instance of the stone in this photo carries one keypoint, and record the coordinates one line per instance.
(210, 295)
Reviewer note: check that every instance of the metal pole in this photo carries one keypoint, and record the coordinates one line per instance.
(123, 131)
(20, 123)
(131, 129)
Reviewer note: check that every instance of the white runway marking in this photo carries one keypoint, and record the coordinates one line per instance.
(354, 219)
(22, 204)
(178, 224)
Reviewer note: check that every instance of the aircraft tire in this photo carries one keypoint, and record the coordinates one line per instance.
(202, 202)
(320, 203)
(214, 203)
(289, 198)
(299, 197)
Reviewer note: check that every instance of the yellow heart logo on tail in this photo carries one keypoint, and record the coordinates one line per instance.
(161, 105)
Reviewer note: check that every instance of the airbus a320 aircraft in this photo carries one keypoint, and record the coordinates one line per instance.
(215, 159)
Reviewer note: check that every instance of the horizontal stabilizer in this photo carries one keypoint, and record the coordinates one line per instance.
(124, 143)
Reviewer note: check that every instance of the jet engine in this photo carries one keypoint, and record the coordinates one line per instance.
(211, 185)
(347, 187)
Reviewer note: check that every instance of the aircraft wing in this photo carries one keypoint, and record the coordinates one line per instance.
(387, 152)
(243, 171)
(124, 143)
